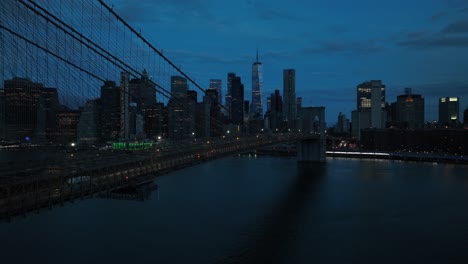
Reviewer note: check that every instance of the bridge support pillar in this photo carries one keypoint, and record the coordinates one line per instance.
(311, 150)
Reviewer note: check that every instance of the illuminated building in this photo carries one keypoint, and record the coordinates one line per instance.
(370, 112)
(289, 97)
(257, 83)
(409, 110)
(449, 110)
(192, 95)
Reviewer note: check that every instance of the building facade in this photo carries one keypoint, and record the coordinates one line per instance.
(409, 110)
(449, 109)
(256, 110)
(289, 97)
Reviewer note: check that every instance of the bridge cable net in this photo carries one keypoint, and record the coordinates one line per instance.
(70, 49)
(75, 46)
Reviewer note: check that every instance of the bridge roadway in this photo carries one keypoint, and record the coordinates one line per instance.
(30, 187)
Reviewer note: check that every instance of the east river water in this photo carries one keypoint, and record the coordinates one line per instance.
(248, 209)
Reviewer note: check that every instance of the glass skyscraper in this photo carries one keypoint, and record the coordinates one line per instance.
(257, 82)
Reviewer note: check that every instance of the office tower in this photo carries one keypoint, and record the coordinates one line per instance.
(410, 110)
(51, 105)
(228, 99)
(215, 121)
(67, 126)
(181, 110)
(192, 95)
(22, 108)
(202, 116)
(298, 106)
(368, 90)
(370, 107)
(155, 120)
(142, 91)
(88, 130)
(110, 111)
(257, 85)
(449, 110)
(289, 97)
(179, 87)
(136, 122)
(124, 104)
(276, 111)
(217, 85)
(237, 101)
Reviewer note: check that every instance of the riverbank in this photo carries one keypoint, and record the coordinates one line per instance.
(402, 156)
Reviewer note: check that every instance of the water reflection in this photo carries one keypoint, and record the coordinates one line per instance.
(273, 239)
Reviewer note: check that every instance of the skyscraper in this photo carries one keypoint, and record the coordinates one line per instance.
(22, 104)
(142, 91)
(370, 107)
(257, 83)
(228, 100)
(181, 110)
(276, 111)
(289, 97)
(179, 86)
(237, 101)
(217, 85)
(410, 109)
(449, 109)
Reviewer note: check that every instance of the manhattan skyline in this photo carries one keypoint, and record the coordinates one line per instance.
(332, 47)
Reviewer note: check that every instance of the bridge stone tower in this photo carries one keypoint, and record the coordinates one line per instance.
(312, 124)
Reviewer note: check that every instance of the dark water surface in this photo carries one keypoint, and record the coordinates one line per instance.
(262, 210)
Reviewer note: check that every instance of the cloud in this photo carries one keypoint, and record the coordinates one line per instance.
(162, 10)
(266, 11)
(437, 41)
(457, 27)
(349, 47)
(207, 57)
(454, 34)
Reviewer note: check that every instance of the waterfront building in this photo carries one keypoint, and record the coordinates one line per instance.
(409, 110)
(449, 109)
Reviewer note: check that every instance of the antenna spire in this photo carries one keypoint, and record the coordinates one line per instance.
(257, 54)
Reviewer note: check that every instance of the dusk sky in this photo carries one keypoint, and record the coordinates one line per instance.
(333, 45)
